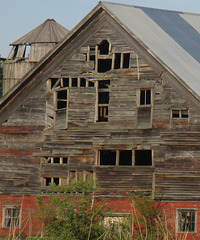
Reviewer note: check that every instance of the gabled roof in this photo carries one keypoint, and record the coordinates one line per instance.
(172, 38)
(48, 32)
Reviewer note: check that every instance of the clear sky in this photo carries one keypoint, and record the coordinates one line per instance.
(18, 17)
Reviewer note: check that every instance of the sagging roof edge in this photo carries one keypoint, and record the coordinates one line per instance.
(10, 99)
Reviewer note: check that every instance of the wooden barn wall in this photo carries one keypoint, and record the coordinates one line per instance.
(175, 158)
(20, 138)
(174, 143)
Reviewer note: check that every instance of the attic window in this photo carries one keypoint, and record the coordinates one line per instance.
(117, 60)
(103, 47)
(180, 114)
(91, 53)
(104, 65)
(126, 60)
(61, 99)
(145, 97)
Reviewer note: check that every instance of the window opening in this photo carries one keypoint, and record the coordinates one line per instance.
(186, 220)
(125, 157)
(117, 60)
(62, 99)
(65, 82)
(56, 181)
(103, 47)
(47, 181)
(180, 113)
(65, 160)
(91, 53)
(83, 82)
(143, 158)
(15, 52)
(11, 217)
(53, 82)
(103, 100)
(56, 160)
(104, 65)
(27, 51)
(91, 84)
(145, 96)
(53, 180)
(107, 157)
(126, 60)
(74, 82)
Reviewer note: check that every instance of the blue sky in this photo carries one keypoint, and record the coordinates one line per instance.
(17, 17)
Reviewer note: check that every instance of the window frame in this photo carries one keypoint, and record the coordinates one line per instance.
(145, 105)
(180, 113)
(178, 220)
(118, 158)
(5, 217)
(102, 105)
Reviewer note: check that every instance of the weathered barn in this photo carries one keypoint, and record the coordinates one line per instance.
(117, 99)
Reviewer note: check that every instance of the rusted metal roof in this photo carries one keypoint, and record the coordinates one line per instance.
(172, 37)
(48, 32)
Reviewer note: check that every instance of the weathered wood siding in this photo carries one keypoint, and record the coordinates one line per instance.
(174, 142)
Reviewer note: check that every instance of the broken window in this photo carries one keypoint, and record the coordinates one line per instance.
(11, 216)
(186, 220)
(51, 180)
(126, 60)
(103, 100)
(107, 157)
(145, 97)
(61, 99)
(55, 160)
(92, 53)
(103, 47)
(143, 158)
(74, 82)
(125, 157)
(104, 65)
(74, 176)
(180, 113)
(53, 82)
(82, 82)
(65, 82)
(144, 110)
(90, 84)
(117, 60)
